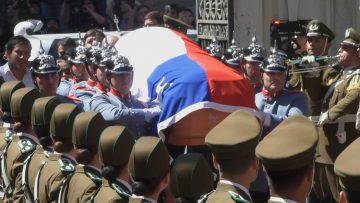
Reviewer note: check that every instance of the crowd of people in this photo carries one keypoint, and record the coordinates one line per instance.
(73, 132)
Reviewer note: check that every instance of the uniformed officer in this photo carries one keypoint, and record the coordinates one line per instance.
(233, 55)
(97, 83)
(86, 134)
(287, 154)
(118, 105)
(233, 143)
(315, 83)
(339, 109)
(149, 166)
(61, 163)
(191, 177)
(40, 120)
(275, 102)
(22, 144)
(115, 141)
(255, 54)
(76, 60)
(176, 24)
(346, 167)
(6, 90)
(215, 49)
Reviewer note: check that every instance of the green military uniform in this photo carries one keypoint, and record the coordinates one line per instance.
(315, 84)
(149, 159)
(340, 106)
(235, 138)
(21, 146)
(85, 135)
(288, 147)
(6, 90)
(58, 166)
(191, 177)
(347, 167)
(42, 110)
(115, 141)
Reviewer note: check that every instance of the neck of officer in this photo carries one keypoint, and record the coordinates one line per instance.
(297, 192)
(95, 161)
(297, 196)
(124, 174)
(244, 179)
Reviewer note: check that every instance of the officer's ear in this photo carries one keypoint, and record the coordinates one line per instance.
(215, 163)
(342, 197)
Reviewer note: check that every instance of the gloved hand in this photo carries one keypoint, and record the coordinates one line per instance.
(308, 59)
(266, 118)
(150, 113)
(309, 62)
(324, 118)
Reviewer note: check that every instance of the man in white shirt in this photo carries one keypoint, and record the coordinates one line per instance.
(17, 53)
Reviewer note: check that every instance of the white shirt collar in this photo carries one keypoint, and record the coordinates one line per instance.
(348, 69)
(236, 185)
(282, 200)
(142, 197)
(6, 73)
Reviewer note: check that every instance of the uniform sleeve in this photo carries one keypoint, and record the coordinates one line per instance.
(345, 105)
(112, 112)
(299, 106)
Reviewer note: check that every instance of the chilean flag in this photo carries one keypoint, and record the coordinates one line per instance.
(181, 76)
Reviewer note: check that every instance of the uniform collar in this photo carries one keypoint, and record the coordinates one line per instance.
(241, 187)
(91, 83)
(281, 200)
(125, 184)
(101, 87)
(145, 198)
(270, 95)
(118, 94)
(27, 135)
(350, 69)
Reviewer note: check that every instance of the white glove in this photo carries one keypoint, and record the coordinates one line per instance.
(150, 113)
(324, 118)
(266, 119)
(308, 59)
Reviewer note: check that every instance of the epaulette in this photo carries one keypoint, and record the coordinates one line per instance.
(354, 81)
(66, 166)
(94, 177)
(9, 135)
(237, 198)
(120, 191)
(84, 88)
(47, 153)
(26, 145)
(204, 197)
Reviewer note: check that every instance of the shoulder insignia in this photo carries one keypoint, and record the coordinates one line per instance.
(9, 135)
(66, 166)
(237, 198)
(93, 177)
(120, 191)
(204, 197)
(47, 153)
(26, 145)
(354, 83)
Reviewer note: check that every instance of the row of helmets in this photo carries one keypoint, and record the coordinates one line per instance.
(101, 56)
(255, 52)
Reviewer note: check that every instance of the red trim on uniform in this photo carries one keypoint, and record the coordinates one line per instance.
(118, 94)
(268, 94)
(73, 98)
(74, 80)
(91, 83)
(101, 87)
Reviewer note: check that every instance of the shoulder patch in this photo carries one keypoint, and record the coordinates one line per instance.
(237, 198)
(66, 166)
(204, 197)
(26, 145)
(9, 135)
(93, 177)
(354, 83)
(120, 191)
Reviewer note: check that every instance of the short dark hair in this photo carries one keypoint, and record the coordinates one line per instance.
(13, 41)
(155, 15)
(145, 187)
(281, 180)
(67, 42)
(96, 32)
